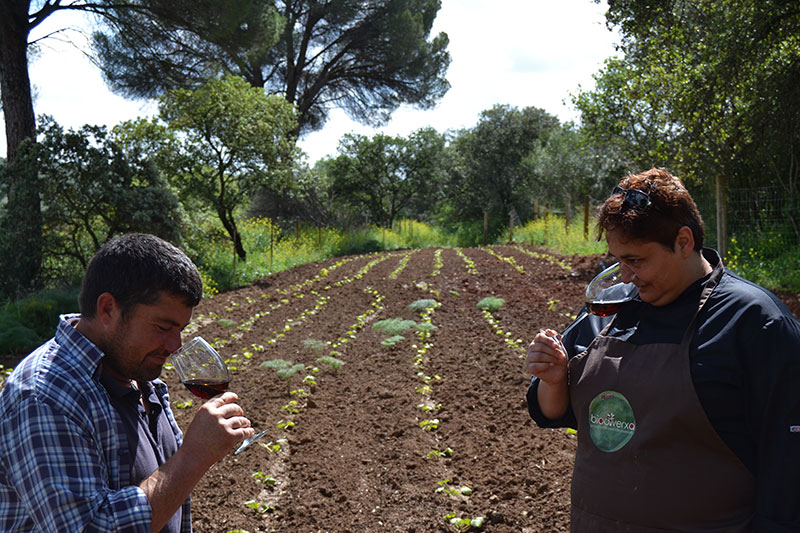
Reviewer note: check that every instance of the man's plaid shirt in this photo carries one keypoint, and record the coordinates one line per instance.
(63, 449)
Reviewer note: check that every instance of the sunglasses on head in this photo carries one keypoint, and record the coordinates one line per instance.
(634, 199)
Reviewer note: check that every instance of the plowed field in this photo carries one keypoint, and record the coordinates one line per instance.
(362, 453)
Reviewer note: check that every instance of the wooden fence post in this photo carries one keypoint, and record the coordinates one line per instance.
(586, 217)
(722, 227)
(485, 225)
(567, 211)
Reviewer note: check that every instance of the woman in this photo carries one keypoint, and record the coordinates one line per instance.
(686, 401)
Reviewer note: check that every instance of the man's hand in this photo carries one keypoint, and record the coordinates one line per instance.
(216, 428)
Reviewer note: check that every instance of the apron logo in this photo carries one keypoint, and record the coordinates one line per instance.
(611, 421)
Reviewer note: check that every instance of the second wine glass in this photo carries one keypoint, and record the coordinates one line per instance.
(606, 293)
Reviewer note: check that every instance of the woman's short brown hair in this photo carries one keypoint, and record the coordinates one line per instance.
(670, 208)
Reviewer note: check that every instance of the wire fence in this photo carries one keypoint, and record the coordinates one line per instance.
(764, 218)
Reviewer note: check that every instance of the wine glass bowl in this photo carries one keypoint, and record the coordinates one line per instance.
(606, 293)
(200, 368)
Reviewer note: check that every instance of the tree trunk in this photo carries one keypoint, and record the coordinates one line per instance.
(22, 216)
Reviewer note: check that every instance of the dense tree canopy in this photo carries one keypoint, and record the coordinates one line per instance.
(487, 172)
(384, 175)
(366, 57)
(709, 87)
(232, 141)
(93, 191)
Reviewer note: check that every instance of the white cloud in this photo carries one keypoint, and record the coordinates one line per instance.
(515, 52)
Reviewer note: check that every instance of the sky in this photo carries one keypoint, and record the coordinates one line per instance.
(515, 52)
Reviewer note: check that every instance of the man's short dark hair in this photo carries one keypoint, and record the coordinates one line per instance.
(137, 268)
(670, 208)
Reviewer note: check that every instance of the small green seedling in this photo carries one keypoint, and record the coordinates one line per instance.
(429, 425)
(426, 327)
(392, 341)
(331, 361)
(285, 424)
(314, 345)
(291, 408)
(258, 507)
(226, 323)
(261, 477)
(276, 446)
(491, 303)
(393, 326)
(464, 524)
(421, 305)
(447, 452)
(284, 369)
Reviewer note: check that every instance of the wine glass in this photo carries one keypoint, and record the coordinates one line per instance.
(606, 293)
(201, 369)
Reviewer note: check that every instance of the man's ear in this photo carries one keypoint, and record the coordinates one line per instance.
(107, 309)
(684, 242)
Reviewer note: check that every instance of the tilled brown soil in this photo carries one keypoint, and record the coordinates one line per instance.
(359, 456)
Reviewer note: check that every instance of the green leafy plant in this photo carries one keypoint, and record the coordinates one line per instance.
(491, 303)
(447, 452)
(226, 323)
(314, 345)
(429, 424)
(392, 341)
(393, 326)
(283, 369)
(464, 524)
(261, 477)
(258, 507)
(331, 361)
(285, 424)
(421, 305)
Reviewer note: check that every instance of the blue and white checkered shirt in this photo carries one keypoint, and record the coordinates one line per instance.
(63, 448)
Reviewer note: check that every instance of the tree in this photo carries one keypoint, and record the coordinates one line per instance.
(487, 174)
(232, 141)
(565, 168)
(21, 220)
(384, 175)
(92, 191)
(364, 56)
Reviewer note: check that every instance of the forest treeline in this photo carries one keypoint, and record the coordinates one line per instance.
(707, 89)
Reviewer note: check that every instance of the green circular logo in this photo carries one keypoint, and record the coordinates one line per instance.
(611, 422)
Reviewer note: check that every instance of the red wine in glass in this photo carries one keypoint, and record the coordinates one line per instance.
(606, 294)
(201, 369)
(205, 389)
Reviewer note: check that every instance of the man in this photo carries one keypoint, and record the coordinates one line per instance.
(686, 401)
(87, 438)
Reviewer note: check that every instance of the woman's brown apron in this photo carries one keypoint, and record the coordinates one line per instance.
(648, 459)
